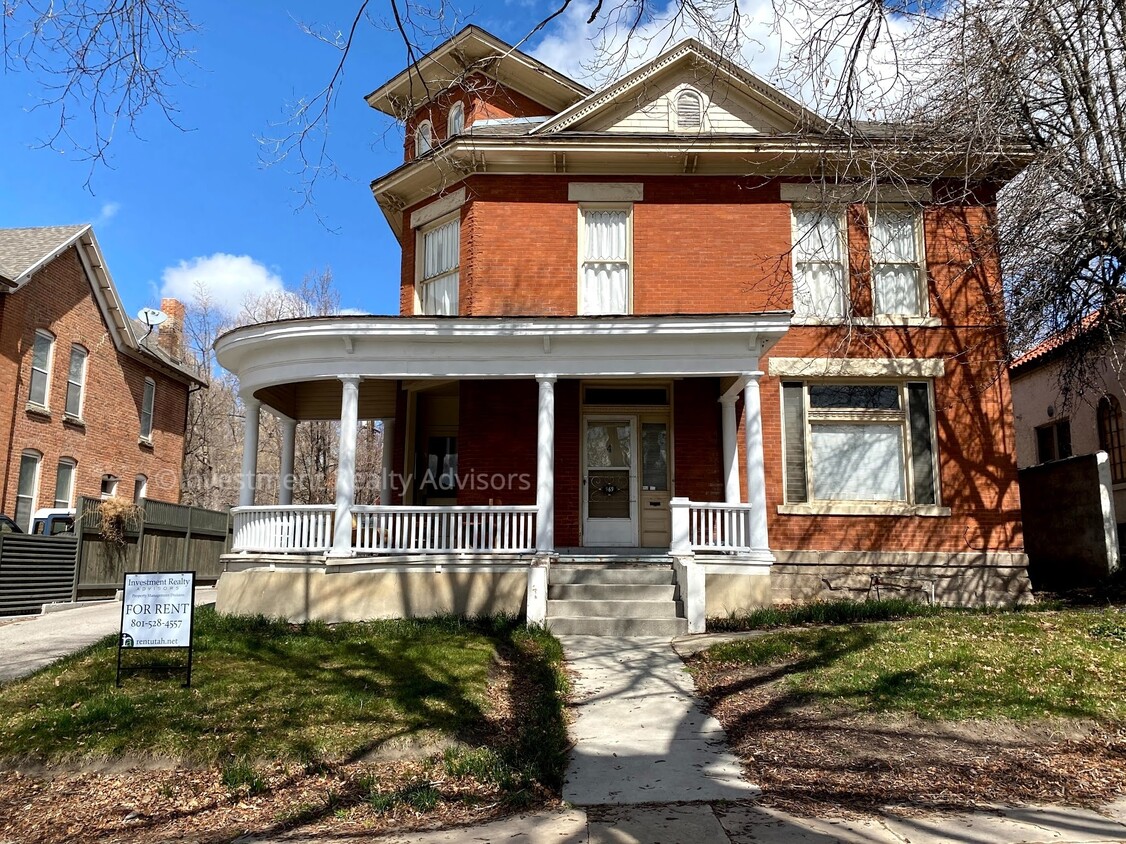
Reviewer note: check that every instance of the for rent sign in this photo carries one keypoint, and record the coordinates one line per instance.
(157, 612)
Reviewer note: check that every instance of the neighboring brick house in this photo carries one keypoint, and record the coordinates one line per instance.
(640, 322)
(90, 405)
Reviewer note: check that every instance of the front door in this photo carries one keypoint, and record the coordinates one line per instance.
(610, 481)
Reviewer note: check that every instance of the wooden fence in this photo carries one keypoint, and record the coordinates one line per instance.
(162, 537)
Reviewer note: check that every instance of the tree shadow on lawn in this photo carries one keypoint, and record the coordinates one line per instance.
(817, 752)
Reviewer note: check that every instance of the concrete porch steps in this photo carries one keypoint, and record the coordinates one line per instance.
(624, 598)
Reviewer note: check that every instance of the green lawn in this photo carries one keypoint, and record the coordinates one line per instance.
(952, 665)
(266, 690)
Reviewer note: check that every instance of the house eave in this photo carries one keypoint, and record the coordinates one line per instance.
(291, 351)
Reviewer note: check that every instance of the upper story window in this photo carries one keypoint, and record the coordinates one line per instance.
(41, 353)
(1110, 436)
(689, 110)
(64, 483)
(423, 138)
(819, 266)
(75, 382)
(605, 247)
(859, 442)
(109, 486)
(1053, 441)
(27, 489)
(455, 121)
(440, 265)
(897, 267)
(148, 400)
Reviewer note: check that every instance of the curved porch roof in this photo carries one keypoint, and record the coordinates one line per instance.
(293, 365)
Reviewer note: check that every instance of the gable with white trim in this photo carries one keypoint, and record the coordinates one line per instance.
(734, 100)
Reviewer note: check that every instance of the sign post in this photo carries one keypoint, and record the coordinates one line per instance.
(157, 611)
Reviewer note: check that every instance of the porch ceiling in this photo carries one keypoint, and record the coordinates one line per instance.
(274, 360)
(320, 400)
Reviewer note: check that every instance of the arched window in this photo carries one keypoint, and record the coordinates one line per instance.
(64, 482)
(140, 488)
(689, 110)
(27, 489)
(455, 123)
(423, 138)
(1110, 436)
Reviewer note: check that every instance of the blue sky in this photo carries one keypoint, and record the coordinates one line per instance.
(177, 197)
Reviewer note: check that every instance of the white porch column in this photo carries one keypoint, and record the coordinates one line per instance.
(756, 473)
(730, 449)
(346, 466)
(387, 461)
(252, 409)
(288, 445)
(545, 466)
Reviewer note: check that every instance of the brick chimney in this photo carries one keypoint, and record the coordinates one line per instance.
(171, 336)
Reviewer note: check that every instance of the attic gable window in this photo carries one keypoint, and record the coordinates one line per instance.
(689, 110)
(455, 122)
(423, 138)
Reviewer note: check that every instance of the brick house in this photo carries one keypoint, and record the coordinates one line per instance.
(643, 343)
(91, 405)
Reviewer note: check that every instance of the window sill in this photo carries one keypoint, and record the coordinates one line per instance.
(38, 410)
(862, 508)
(885, 321)
(145, 442)
(74, 421)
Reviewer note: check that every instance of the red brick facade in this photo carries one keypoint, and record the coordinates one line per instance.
(59, 299)
(712, 245)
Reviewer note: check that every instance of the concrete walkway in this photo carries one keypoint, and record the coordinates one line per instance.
(641, 735)
(32, 642)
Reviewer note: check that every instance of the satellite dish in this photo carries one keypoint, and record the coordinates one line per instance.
(152, 317)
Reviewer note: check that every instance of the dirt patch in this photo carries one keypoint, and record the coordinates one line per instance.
(812, 761)
(155, 800)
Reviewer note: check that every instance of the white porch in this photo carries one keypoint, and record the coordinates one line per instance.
(346, 535)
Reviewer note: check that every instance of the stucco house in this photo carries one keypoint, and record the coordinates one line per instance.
(93, 403)
(651, 364)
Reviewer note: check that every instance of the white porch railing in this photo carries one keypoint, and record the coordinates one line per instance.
(710, 526)
(450, 529)
(291, 529)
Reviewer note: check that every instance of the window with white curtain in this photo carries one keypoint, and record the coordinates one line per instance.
(897, 271)
(604, 283)
(64, 483)
(819, 266)
(866, 442)
(423, 138)
(42, 351)
(27, 488)
(440, 269)
(455, 121)
(75, 382)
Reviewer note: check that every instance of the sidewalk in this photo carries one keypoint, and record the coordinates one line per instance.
(649, 766)
(31, 643)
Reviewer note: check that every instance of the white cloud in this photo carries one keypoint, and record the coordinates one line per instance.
(226, 280)
(108, 212)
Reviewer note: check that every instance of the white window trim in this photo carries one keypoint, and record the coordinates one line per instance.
(457, 107)
(147, 438)
(843, 507)
(846, 276)
(114, 483)
(418, 136)
(81, 383)
(51, 340)
(420, 257)
(140, 488)
(38, 455)
(69, 498)
(604, 206)
(921, 278)
(803, 369)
